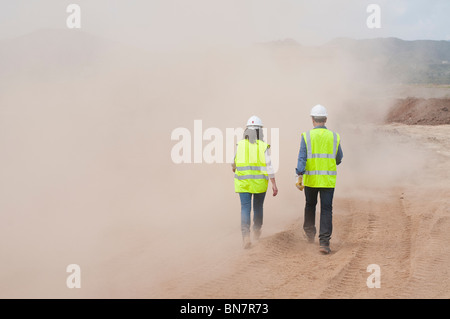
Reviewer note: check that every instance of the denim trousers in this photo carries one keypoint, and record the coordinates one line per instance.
(246, 207)
(326, 212)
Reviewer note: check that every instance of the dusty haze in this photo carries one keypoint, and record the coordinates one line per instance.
(86, 172)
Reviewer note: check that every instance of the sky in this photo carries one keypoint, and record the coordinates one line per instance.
(180, 23)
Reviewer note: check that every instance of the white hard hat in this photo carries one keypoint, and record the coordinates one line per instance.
(254, 122)
(319, 110)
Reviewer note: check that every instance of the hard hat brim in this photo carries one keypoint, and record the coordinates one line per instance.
(254, 127)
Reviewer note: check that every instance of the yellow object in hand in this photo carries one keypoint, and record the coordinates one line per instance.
(299, 184)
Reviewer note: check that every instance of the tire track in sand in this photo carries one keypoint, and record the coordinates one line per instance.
(430, 267)
(251, 274)
(367, 231)
(282, 265)
(379, 234)
(347, 280)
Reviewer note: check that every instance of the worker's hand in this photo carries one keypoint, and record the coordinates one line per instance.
(274, 190)
(299, 183)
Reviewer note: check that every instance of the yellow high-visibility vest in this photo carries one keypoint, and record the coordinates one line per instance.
(251, 170)
(322, 145)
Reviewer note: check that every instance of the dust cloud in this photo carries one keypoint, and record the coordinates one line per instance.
(86, 172)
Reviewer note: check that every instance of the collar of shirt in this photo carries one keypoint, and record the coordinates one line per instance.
(321, 126)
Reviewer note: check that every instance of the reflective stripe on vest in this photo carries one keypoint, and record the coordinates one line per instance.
(251, 171)
(320, 173)
(251, 177)
(251, 168)
(322, 146)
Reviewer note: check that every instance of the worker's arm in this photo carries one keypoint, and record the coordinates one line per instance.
(274, 186)
(339, 155)
(233, 165)
(271, 173)
(302, 156)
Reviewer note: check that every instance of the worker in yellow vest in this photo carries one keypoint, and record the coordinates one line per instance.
(320, 153)
(253, 169)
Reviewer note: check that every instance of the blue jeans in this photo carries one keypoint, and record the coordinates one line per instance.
(326, 213)
(246, 207)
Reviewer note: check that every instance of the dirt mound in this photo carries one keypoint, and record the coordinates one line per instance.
(421, 111)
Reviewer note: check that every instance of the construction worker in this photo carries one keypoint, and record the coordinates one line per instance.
(320, 153)
(253, 169)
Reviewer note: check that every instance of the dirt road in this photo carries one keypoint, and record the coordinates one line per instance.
(403, 229)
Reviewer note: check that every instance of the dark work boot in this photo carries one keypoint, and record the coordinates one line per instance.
(325, 249)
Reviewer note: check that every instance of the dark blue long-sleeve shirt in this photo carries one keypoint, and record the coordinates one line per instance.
(302, 155)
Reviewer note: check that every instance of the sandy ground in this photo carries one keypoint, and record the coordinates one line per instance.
(401, 228)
